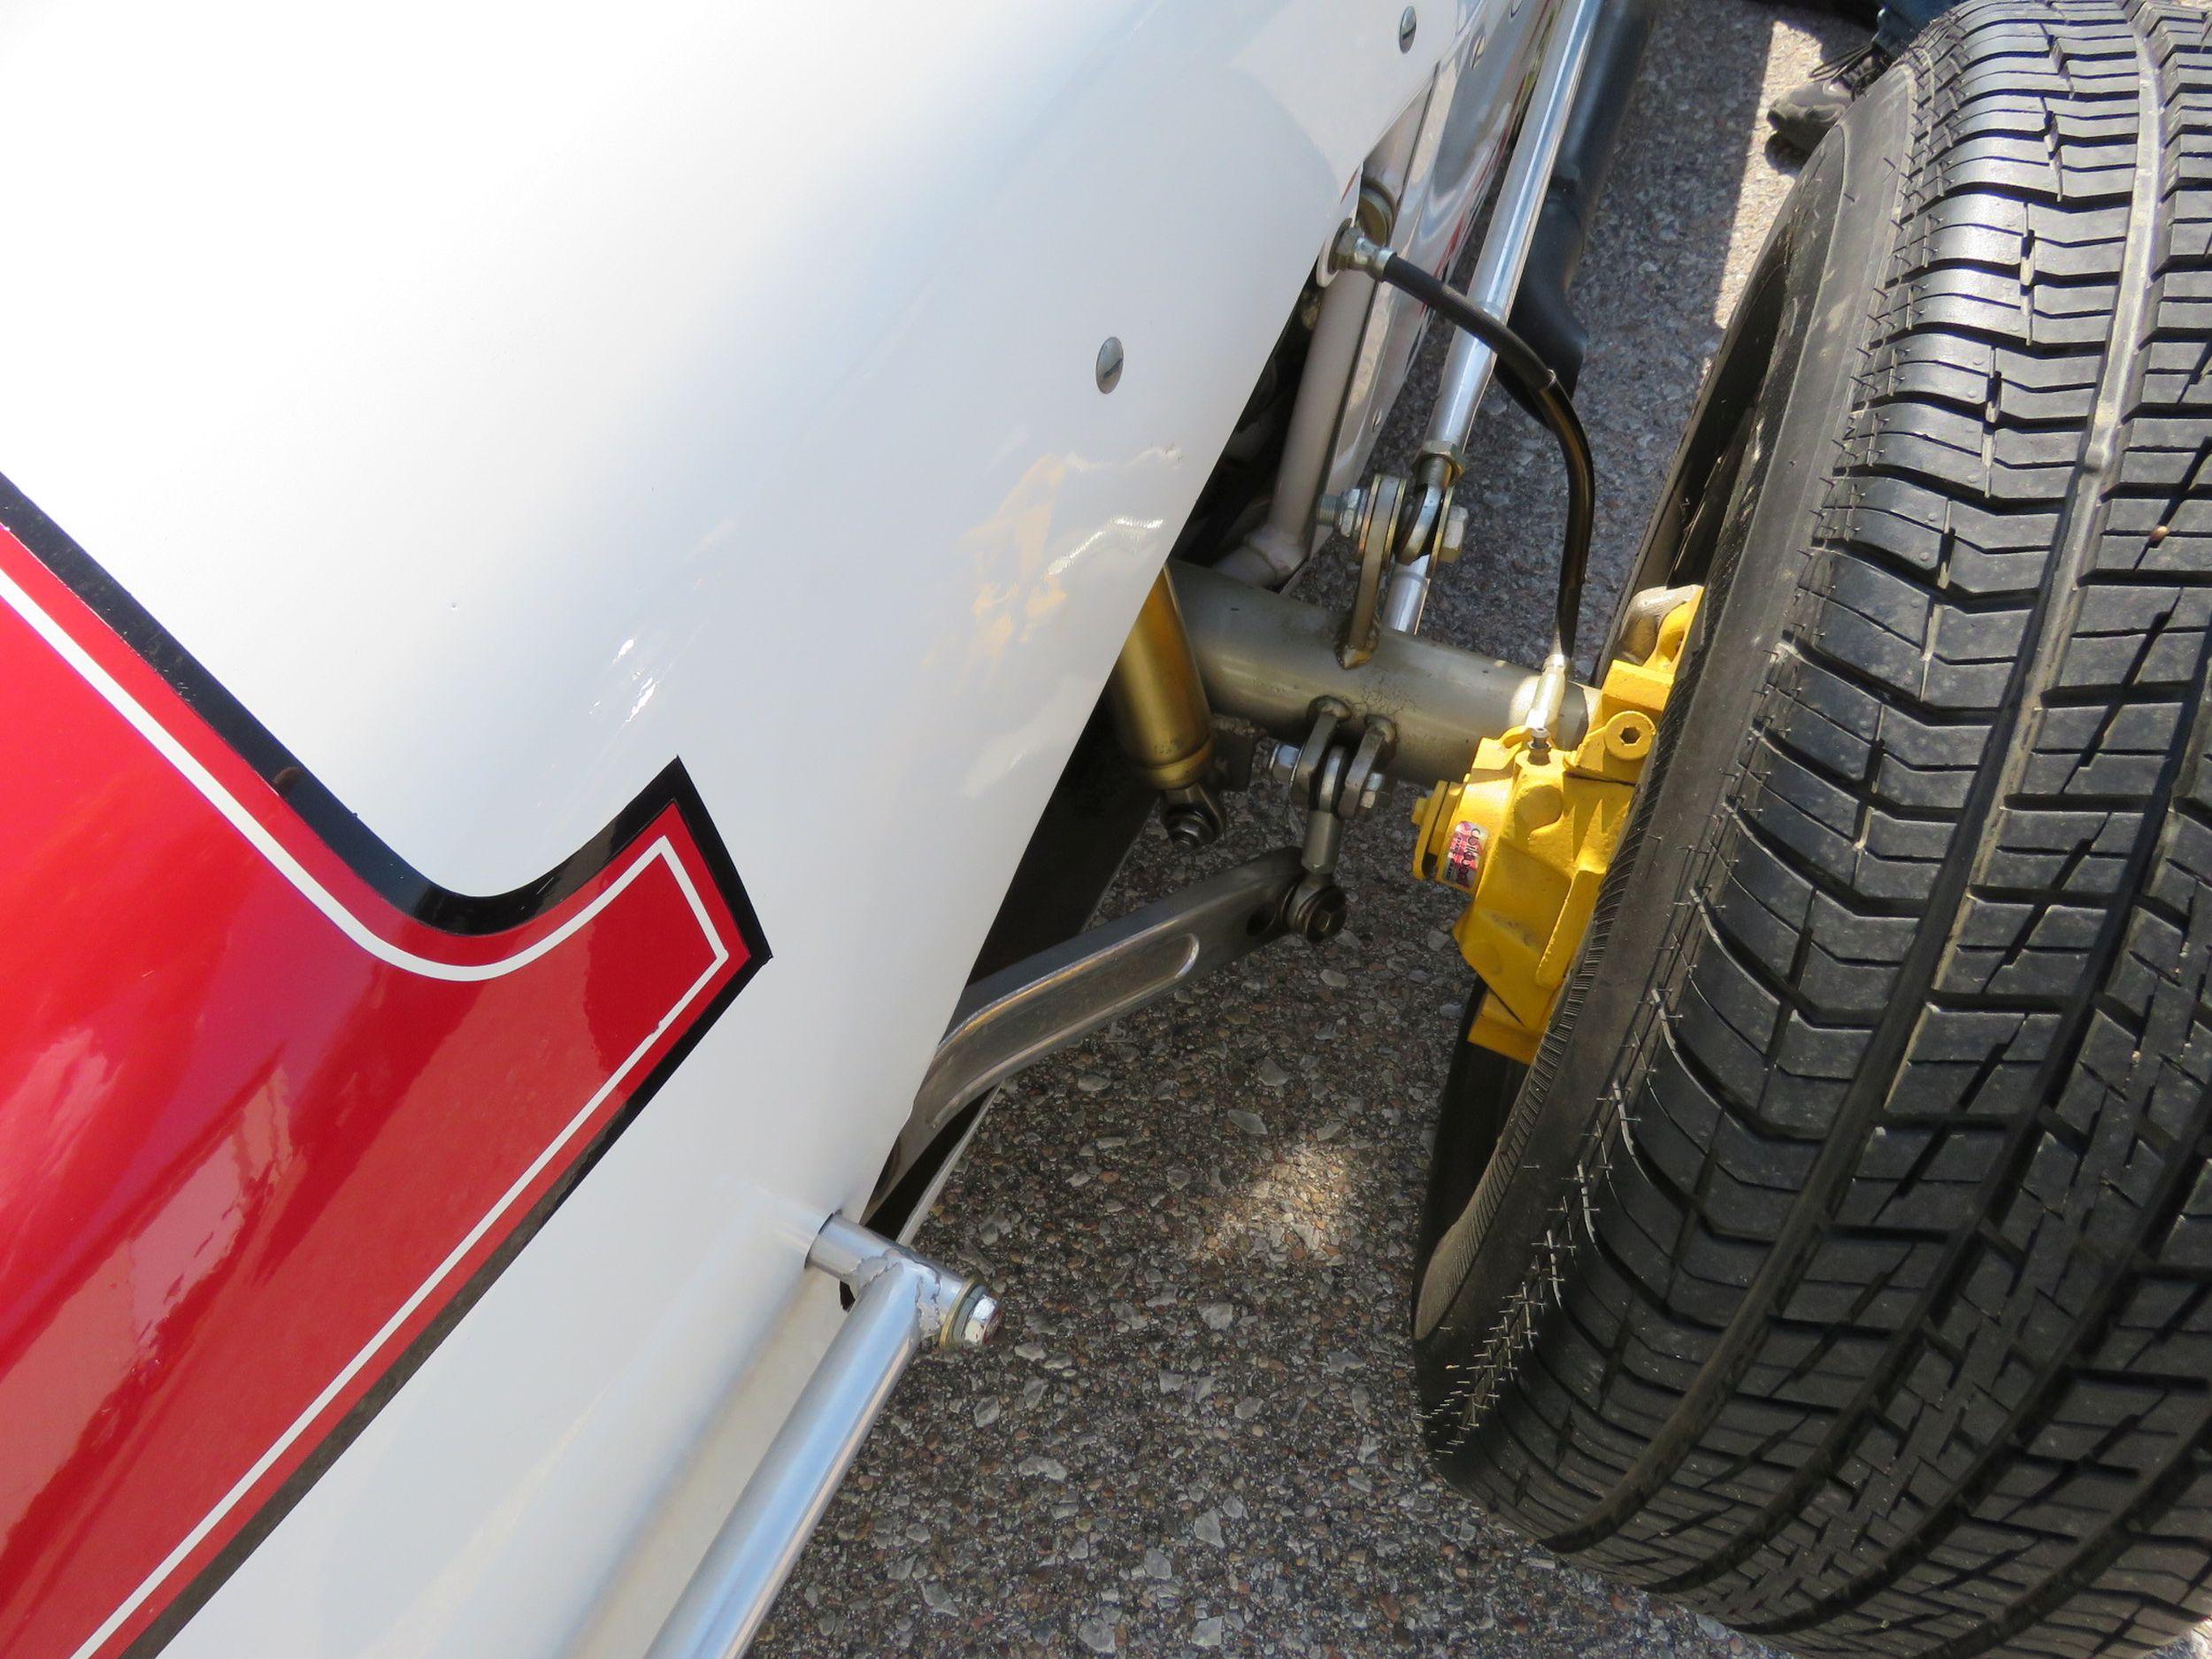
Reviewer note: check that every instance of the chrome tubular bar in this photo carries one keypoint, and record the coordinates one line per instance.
(1505, 244)
(1498, 267)
(902, 1304)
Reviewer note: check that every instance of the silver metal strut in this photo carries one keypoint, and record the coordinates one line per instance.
(903, 1304)
(1498, 267)
(1282, 542)
(1267, 659)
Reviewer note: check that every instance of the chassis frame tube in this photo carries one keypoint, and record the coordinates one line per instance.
(1265, 658)
(1512, 229)
(1274, 551)
(903, 1303)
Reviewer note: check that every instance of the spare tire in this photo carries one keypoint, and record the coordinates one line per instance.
(1843, 1264)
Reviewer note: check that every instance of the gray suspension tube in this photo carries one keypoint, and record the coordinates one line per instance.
(1264, 659)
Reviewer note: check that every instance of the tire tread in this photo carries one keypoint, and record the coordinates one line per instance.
(1890, 1328)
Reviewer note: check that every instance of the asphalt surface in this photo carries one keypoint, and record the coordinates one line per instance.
(1196, 1432)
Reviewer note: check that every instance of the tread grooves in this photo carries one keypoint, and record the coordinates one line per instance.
(1876, 1312)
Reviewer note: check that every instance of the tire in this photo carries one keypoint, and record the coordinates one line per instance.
(1843, 1264)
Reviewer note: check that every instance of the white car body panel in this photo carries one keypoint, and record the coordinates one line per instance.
(501, 402)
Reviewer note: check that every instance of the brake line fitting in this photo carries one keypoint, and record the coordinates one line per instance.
(1530, 832)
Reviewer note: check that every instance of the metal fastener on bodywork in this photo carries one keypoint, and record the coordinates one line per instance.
(1406, 23)
(1109, 367)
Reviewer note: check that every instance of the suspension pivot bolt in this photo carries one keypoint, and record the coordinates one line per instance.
(1341, 512)
(1316, 910)
(1193, 817)
(1186, 826)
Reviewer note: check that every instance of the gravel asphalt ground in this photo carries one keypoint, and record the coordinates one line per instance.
(1196, 1431)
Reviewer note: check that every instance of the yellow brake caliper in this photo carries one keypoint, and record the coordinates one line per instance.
(1530, 834)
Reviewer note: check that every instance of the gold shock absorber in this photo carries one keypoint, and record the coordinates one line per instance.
(1160, 716)
(1530, 832)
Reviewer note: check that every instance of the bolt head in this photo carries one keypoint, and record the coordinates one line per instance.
(1189, 826)
(1322, 916)
(1407, 24)
(1109, 365)
(1316, 910)
(977, 1319)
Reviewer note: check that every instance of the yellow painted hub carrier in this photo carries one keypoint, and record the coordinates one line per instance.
(1530, 834)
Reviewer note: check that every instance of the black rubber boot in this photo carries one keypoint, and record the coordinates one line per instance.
(1808, 111)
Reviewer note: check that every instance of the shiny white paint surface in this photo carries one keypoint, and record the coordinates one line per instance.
(503, 401)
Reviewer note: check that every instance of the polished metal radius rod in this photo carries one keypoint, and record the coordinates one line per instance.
(903, 1304)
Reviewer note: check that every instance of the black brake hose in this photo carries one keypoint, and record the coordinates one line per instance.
(1519, 362)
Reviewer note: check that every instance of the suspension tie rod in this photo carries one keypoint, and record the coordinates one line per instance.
(1519, 362)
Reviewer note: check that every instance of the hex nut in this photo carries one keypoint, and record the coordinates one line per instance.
(1449, 545)
(976, 1318)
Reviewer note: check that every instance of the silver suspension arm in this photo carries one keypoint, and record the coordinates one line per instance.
(1044, 1003)
(903, 1304)
(1498, 268)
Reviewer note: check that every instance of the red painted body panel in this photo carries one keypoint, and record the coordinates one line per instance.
(259, 1126)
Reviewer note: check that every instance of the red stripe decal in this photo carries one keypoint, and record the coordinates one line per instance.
(263, 1132)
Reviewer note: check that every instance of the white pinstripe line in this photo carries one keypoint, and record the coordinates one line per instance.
(268, 845)
(270, 849)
